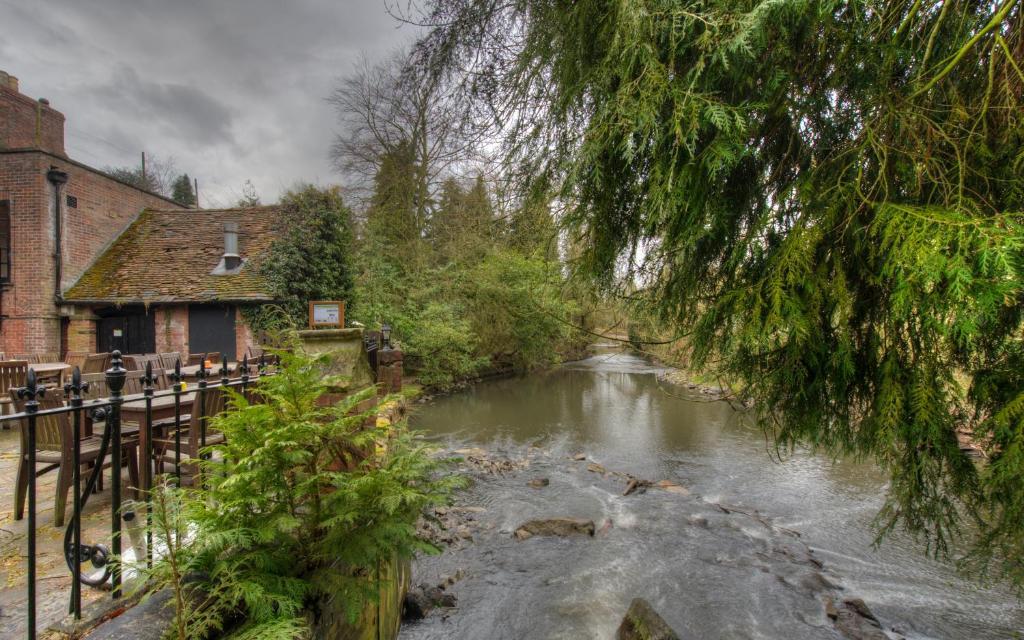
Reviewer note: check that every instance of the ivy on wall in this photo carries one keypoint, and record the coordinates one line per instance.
(309, 260)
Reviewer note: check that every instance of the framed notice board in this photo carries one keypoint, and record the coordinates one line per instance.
(326, 313)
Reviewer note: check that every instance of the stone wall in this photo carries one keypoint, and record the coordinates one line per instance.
(348, 364)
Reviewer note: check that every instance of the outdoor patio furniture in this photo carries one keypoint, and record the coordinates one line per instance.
(35, 358)
(96, 363)
(138, 363)
(205, 405)
(76, 358)
(168, 360)
(12, 376)
(54, 450)
(50, 373)
(212, 357)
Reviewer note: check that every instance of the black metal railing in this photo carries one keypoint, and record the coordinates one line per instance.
(77, 410)
(371, 345)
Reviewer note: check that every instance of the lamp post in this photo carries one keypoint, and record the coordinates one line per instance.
(385, 336)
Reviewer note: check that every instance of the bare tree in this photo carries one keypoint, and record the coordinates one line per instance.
(158, 177)
(390, 105)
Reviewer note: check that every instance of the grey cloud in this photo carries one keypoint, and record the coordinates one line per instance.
(180, 109)
(232, 89)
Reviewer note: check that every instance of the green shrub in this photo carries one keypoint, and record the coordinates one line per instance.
(517, 309)
(442, 341)
(292, 511)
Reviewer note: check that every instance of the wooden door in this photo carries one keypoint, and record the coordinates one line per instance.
(211, 328)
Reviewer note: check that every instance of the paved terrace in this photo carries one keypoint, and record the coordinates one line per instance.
(53, 586)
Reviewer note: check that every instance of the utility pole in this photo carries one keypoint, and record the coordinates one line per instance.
(195, 181)
(144, 181)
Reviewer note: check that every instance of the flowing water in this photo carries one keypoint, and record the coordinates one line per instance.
(791, 534)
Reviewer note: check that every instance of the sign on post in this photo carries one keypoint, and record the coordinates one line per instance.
(326, 313)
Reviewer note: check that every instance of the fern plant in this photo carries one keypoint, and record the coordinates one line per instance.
(301, 503)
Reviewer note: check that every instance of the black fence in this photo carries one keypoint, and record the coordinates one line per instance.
(173, 419)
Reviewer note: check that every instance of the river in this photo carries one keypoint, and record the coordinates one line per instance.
(792, 533)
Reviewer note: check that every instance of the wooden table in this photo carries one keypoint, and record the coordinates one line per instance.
(50, 370)
(162, 409)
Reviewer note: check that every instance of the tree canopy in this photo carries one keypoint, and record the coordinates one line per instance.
(824, 196)
(310, 259)
(181, 190)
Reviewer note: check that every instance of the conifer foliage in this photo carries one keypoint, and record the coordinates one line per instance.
(824, 195)
(299, 505)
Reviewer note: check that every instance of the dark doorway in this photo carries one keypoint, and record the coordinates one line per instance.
(211, 328)
(126, 330)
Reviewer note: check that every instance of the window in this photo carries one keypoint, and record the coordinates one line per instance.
(5, 242)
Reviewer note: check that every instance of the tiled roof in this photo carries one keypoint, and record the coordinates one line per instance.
(169, 256)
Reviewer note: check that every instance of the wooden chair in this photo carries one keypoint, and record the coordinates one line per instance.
(54, 436)
(197, 358)
(191, 432)
(12, 376)
(168, 360)
(76, 359)
(96, 363)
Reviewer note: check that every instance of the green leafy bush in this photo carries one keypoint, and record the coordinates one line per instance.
(517, 309)
(299, 504)
(442, 340)
(311, 258)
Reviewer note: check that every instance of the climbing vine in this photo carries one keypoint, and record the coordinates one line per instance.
(310, 259)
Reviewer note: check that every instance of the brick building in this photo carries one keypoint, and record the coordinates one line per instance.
(175, 281)
(61, 219)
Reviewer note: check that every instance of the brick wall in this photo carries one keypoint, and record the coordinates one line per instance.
(31, 323)
(105, 207)
(26, 123)
(81, 332)
(172, 329)
(244, 340)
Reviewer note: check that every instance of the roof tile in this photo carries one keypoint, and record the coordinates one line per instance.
(168, 256)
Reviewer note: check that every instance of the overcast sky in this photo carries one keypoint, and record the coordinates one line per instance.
(231, 89)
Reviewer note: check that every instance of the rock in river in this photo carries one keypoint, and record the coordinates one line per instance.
(421, 600)
(554, 527)
(854, 620)
(538, 483)
(642, 622)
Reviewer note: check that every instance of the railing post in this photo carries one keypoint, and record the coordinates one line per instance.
(245, 374)
(147, 454)
(115, 382)
(202, 423)
(31, 392)
(176, 377)
(74, 391)
(224, 370)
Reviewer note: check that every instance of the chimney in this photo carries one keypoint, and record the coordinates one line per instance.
(8, 81)
(231, 258)
(26, 123)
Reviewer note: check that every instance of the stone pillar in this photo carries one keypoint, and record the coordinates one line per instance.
(389, 370)
(82, 331)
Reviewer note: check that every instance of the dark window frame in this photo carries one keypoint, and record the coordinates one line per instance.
(5, 241)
